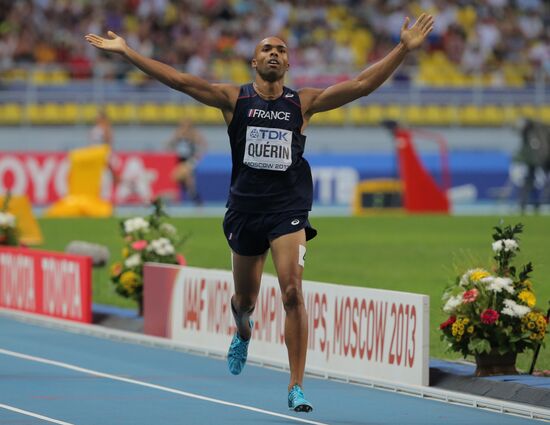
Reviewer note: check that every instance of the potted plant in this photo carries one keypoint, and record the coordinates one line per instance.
(493, 314)
(147, 239)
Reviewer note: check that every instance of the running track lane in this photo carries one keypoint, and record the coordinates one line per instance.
(53, 376)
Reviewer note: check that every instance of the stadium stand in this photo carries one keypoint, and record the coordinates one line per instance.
(485, 63)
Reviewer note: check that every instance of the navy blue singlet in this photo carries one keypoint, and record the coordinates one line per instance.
(269, 173)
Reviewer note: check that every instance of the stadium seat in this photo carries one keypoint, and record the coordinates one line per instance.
(121, 113)
(170, 114)
(433, 115)
(149, 113)
(39, 77)
(333, 117)
(414, 115)
(239, 72)
(492, 115)
(393, 112)
(510, 114)
(136, 77)
(544, 114)
(69, 112)
(374, 114)
(470, 115)
(448, 114)
(356, 114)
(192, 111)
(528, 111)
(211, 115)
(52, 114)
(58, 77)
(33, 114)
(88, 112)
(10, 114)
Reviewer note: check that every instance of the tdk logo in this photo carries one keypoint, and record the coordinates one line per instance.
(271, 115)
(268, 134)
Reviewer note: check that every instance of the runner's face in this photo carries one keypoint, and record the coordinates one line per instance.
(271, 59)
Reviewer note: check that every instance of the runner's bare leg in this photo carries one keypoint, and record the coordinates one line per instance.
(247, 274)
(285, 252)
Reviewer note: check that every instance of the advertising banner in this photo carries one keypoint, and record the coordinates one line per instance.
(354, 332)
(49, 283)
(43, 176)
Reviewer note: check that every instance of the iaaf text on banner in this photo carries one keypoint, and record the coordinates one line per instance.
(43, 176)
(354, 332)
(49, 283)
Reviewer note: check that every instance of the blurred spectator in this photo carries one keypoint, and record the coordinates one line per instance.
(212, 37)
(189, 145)
(102, 133)
(534, 157)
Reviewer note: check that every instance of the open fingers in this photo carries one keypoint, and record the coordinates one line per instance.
(94, 39)
(427, 24)
(405, 24)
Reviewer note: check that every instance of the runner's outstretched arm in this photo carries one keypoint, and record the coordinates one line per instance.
(318, 100)
(222, 96)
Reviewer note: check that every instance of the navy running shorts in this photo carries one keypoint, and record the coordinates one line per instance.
(250, 234)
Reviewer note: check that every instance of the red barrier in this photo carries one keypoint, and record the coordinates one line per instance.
(50, 283)
(43, 176)
(157, 298)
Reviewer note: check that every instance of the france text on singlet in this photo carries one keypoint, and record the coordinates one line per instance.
(269, 172)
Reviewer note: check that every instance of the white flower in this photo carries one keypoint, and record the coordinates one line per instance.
(133, 261)
(168, 229)
(452, 303)
(161, 246)
(465, 279)
(7, 219)
(513, 309)
(134, 224)
(508, 245)
(497, 284)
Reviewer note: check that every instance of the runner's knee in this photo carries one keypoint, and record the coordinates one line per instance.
(292, 297)
(244, 303)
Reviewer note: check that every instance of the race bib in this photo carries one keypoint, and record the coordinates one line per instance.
(268, 148)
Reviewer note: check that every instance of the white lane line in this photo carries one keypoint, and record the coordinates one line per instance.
(34, 415)
(153, 386)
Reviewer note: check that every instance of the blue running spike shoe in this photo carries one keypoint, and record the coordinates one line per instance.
(297, 401)
(238, 351)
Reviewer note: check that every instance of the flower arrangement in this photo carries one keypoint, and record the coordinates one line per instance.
(494, 312)
(8, 231)
(147, 239)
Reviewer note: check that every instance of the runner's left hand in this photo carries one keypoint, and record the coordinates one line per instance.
(414, 36)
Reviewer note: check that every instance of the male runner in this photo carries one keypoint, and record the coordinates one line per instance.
(271, 185)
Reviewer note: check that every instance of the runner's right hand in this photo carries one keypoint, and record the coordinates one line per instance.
(114, 44)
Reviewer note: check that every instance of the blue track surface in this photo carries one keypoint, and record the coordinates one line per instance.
(99, 381)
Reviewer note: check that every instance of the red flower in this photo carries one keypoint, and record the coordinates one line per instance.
(489, 316)
(448, 322)
(469, 296)
(139, 245)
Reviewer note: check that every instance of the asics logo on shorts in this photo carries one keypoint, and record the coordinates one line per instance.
(295, 222)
